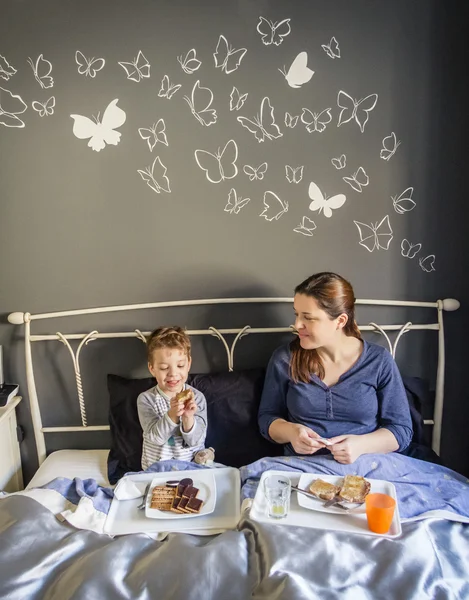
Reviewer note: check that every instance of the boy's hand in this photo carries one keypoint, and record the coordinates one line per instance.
(176, 409)
(190, 408)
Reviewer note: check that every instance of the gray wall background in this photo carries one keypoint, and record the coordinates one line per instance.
(81, 229)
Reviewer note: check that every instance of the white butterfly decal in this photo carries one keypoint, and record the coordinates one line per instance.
(6, 70)
(274, 208)
(358, 180)
(386, 152)
(235, 203)
(263, 125)
(237, 100)
(306, 227)
(321, 203)
(137, 69)
(167, 89)
(226, 58)
(219, 166)
(427, 264)
(88, 67)
(190, 63)
(44, 109)
(408, 249)
(42, 71)
(332, 48)
(375, 236)
(100, 132)
(156, 180)
(254, 173)
(15, 105)
(316, 121)
(339, 163)
(200, 102)
(290, 121)
(273, 33)
(293, 175)
(299, 73)
(404, 203)
(355, 109)
(156, 133)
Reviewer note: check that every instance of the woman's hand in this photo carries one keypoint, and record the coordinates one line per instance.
(304, 440)
(346, 448)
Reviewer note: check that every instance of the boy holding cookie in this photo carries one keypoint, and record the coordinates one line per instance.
(173, 415)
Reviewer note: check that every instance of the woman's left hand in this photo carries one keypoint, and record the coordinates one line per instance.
(346, 448)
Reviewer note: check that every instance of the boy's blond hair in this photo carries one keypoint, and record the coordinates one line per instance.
(168, 337)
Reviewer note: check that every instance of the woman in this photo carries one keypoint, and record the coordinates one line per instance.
(330, 389)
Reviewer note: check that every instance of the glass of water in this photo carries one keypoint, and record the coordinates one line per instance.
(277, 489)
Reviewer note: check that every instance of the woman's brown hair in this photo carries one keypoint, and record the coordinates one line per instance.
(335, 296)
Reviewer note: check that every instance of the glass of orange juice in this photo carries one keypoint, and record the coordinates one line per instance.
(379, 512)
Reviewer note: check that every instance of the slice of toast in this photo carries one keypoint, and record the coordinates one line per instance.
(184, 396)
(323, 489)
(354, 489)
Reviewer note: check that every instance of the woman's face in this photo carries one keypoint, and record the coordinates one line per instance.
(315, 327)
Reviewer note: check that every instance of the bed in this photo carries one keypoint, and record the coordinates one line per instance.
(57, 542)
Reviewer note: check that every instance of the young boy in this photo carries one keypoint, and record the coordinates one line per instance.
(172, 428)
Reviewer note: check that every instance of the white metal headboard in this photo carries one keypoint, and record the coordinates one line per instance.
(20, 318)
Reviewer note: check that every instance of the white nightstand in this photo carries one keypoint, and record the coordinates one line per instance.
(11, 475)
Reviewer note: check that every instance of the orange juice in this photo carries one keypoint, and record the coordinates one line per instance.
(379, 512)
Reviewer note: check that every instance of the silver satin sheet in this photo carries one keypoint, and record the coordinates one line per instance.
(42, 559)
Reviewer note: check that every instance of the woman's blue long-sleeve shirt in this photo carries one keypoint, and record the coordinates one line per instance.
(368, 396)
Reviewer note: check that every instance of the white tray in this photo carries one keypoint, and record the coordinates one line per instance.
(354, 522)
(203, 479)
(123, 516)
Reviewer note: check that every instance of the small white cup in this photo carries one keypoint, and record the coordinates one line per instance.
(277, 490)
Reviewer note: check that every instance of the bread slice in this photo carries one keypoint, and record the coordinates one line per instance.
(354, 489)
(184, 396)
(323, 489)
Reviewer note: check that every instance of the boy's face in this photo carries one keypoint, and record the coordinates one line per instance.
(170, 367)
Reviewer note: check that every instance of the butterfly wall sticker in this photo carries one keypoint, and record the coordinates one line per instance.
(138, 68)
(409, 250)
(200, 102)
(235, 203)
(339, 163)
(390, 145)
(237, 100)
(291, 121)
(11, 105)
(45, 109)
(254, 173)
(323, 204)
(42, 70)
(227, 58)
(299, 73)
(355, 109)
(294, 175)
(376, 236)
(88, 66)
(6, 70)
(274, 207)
(427, 264)
(263, 126)
(358, 180)
(332, 48)
(273, 32)
(306, 227)
(316, 121)
(155, 176)
(154, 134)
(100, 132)
(190, 63)
(221, 165)
(404, 203)
(167, 89)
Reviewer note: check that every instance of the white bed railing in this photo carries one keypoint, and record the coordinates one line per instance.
(20, 318)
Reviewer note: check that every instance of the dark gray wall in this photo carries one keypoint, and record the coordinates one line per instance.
(80, 228)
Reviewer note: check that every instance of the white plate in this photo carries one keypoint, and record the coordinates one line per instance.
(299, 516)
(203, 480)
